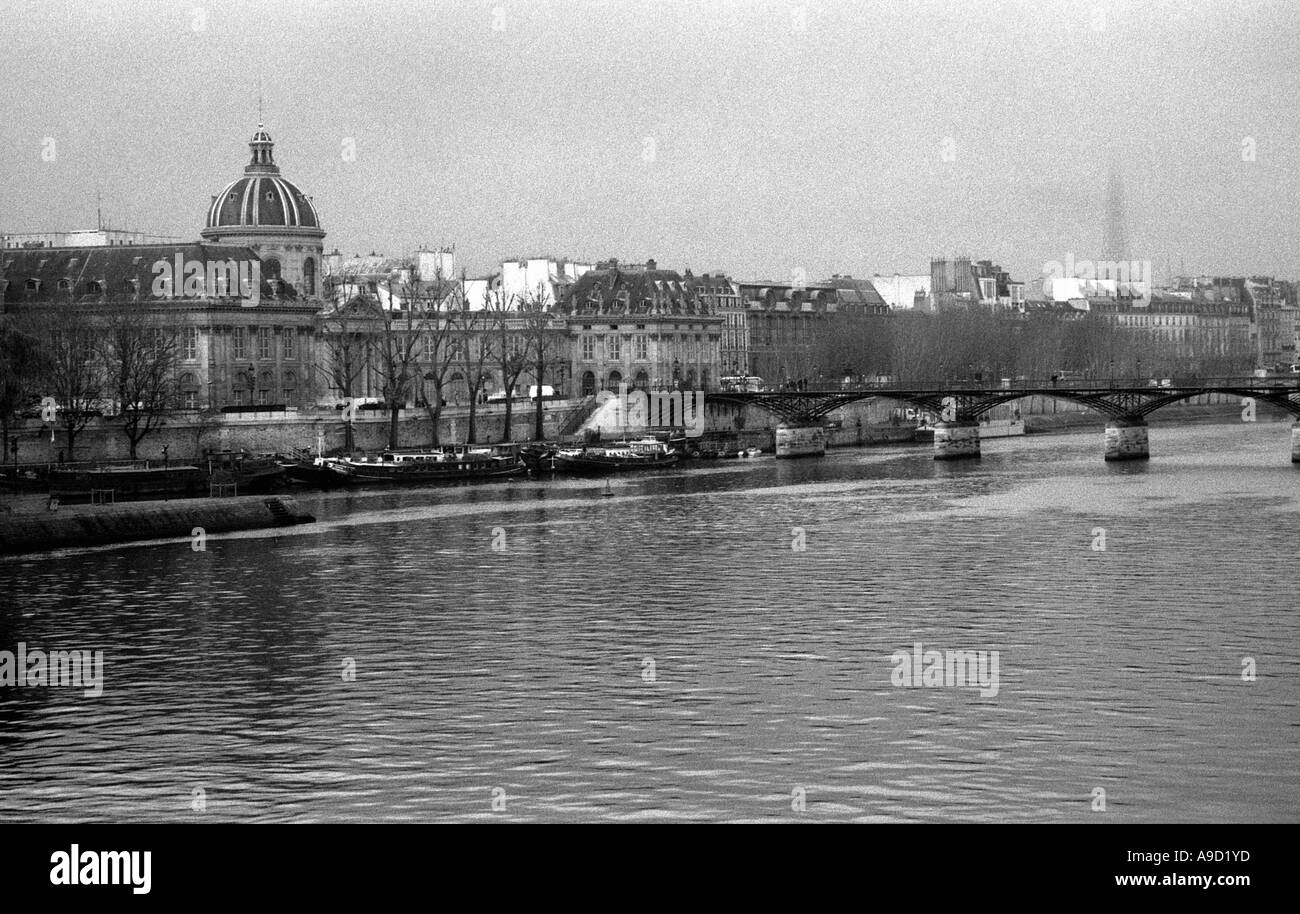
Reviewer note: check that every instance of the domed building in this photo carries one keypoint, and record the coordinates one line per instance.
(271, 215)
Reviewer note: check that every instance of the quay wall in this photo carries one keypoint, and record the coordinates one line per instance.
(39, 528)
(188, 435)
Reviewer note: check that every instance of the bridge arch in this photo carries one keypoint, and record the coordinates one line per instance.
(808, 407)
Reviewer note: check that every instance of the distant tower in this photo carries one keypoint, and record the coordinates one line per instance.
(1114, 240)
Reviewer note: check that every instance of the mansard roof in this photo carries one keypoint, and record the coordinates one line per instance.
(116, 272)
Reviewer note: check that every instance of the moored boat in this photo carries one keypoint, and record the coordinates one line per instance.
(247, 472)
(124, 483)
(321, 472)
(616, 457)
(437, 466)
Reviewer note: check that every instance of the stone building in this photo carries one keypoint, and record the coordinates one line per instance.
(243, 302)
(641, 326)
(232, 349)
(787, 325)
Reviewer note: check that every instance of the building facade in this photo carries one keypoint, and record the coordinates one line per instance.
(638, 325)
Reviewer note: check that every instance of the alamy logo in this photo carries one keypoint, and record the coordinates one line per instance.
(208, 279)
(37, 668)
(658, 408)
(1122, 272)
(951, 669)
(78, 867)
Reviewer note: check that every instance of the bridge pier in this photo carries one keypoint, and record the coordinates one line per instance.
(1295, 442)
(956, 440)
(1126, 439)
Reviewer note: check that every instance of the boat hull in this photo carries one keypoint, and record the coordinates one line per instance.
(594, 465)
(129, 484)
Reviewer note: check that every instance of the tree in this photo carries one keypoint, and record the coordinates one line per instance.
(140, 357)
(510, 348)
(536, 320)
(439, 300)
(474, 338)
(22, 363)
(75, 373)
(400, 332)
(345, 327)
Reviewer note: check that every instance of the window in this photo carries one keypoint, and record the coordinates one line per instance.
(263, 397)
(288, 343)
(239, 396)
(614, 347)
(191, 399)
(588, 347)
(309, 276)
(264, 342)
(93, 288)
(642, 348)
(190, 343)
(65, 285)
(237, 343)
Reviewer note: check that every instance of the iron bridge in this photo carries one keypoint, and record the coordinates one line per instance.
(1125, 400)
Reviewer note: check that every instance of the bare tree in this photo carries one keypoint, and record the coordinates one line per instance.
(537, 323)
(140, 357)
(398, 341)
(441, 302)
(75, 373)
(510, 348)
(346, 333)
(474, 333)
(22, 362)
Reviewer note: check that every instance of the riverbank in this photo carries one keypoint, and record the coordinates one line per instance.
(35, 523)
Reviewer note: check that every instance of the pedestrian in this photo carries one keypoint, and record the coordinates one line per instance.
(60, 458)
(166, 459)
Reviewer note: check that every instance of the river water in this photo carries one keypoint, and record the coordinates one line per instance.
(541, 651)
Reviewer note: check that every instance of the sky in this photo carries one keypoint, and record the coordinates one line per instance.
(757, 138)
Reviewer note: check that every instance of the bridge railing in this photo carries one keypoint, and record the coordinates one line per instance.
(1045, 385)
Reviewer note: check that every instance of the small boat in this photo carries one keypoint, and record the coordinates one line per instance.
(617, 457)
(321, 472)
(449, 465)
(247, 472)
(749, 453)
(539, 458)
(124, 483)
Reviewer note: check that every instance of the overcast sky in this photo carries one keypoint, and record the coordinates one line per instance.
(755, 138)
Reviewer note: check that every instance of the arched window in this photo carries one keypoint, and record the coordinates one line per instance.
(309, 276)
(615, 379)
(642, 380)
(588, 384)
(270, 268)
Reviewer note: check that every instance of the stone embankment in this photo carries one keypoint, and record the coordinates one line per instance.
(33, 525)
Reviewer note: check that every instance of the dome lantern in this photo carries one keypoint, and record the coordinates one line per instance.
(261, 144)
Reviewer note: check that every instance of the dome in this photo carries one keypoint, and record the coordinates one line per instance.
(261, 198)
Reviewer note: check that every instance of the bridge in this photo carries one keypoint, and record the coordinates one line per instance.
(1125, 404)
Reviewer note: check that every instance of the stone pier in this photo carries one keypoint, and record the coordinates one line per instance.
(956, 440)
(1126, 439)
(1295, 442)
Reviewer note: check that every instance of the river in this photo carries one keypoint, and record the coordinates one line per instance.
(541, 651)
